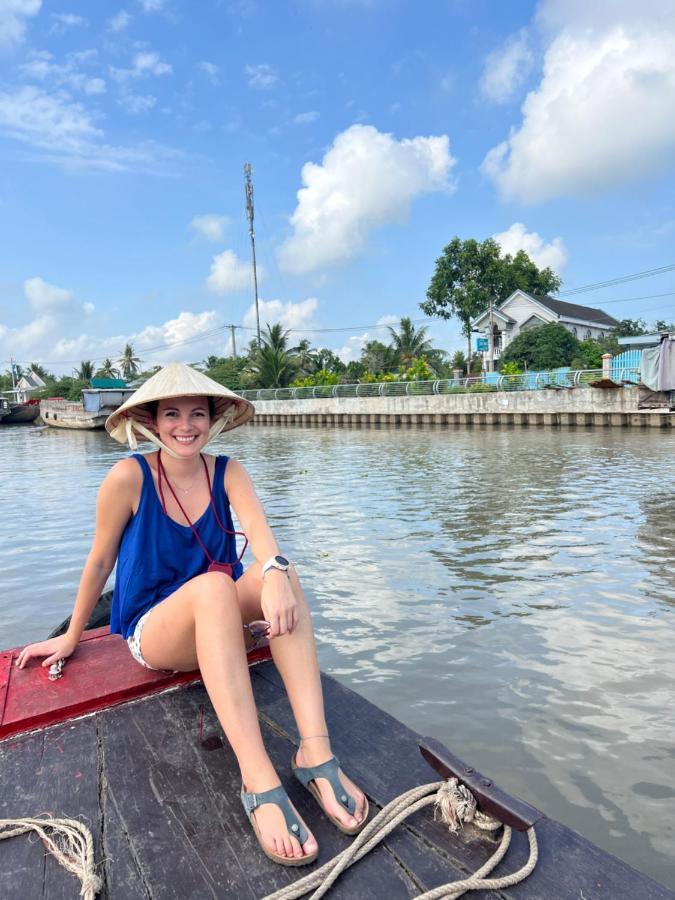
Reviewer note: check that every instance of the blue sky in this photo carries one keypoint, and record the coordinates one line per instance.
(377, 130)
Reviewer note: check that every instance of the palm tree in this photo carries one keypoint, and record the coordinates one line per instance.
(410, 342)
(276, 337)
(305, 358)
(108, 370)
(272, 367)
(86, 371)
(128, 362)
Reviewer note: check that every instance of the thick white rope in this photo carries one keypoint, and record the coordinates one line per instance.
(68, 840)
(455, 805)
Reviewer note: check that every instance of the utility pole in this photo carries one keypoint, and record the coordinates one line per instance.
(491, 340)
(234, 344)
(248, 187)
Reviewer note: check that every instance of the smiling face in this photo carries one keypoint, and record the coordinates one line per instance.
(182, 424)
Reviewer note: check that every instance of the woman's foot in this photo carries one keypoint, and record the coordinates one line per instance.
(316, 751)
(272, 826)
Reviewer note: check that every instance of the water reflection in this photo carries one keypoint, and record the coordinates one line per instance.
(510, 592)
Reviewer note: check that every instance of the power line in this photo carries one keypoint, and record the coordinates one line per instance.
(597, 285)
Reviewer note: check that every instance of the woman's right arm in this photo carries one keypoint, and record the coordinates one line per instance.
(114, 507)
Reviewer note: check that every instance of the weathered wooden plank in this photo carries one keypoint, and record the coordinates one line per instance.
(382, 755)
(265, 876)
(55, 772)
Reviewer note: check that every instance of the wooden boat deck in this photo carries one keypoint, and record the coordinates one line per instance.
(164, 808)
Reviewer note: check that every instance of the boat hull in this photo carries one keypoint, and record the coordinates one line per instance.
(21, 414)
(70, 414)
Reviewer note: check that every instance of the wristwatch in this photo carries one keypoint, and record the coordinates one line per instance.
(276, 562)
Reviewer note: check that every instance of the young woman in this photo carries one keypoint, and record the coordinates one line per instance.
(181, 596)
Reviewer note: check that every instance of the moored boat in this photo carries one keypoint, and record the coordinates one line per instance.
(21, 412)
(139, 756)
(96, 405)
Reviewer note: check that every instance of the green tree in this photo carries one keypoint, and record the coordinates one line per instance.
(458, 360)
(273, 363)
(377, 357)
(227, 370)
(662, 325)
(107, 370)
(129, 362)
(328, 361)
(630, 328)
(305, 358)
(85, 372)
(409, 342)
(469, 274)
(546, 347)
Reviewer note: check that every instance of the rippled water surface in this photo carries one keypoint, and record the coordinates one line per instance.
(511, 592)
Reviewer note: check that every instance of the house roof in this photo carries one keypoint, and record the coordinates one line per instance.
(575, 311)
(496, 312)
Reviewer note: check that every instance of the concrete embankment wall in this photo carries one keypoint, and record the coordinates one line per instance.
(580, 406)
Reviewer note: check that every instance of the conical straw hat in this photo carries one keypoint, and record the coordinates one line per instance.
(133, 419)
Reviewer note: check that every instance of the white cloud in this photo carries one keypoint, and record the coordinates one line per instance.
(306, 117)
(604, 111)
(211, 226)
(352, 348)
(13, 20)
(36, 117)
(365, 180)
(120, 21)
(506, 69)
(53, 310)
(184, 327)
(261, 77)
(61, 22)
(229, 273)
(135, 104)
(290, 315)
(211, 70)
(151, 6)
(65, 133)
(151, 63)
(147, 62)
(40, 67)
(517, 238)
(44, 297)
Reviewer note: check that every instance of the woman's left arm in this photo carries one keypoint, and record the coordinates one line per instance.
(278, 601)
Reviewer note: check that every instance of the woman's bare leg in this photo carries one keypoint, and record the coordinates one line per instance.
(295, 657)
(201, 625)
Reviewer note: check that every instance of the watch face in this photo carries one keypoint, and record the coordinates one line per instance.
(282, 560)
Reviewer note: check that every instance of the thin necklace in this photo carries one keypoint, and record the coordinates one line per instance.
(183, 490)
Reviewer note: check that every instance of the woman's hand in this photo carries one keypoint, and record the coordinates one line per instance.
(278, 603)
(54, 649)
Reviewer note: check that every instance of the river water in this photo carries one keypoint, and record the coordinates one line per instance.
(510, 592)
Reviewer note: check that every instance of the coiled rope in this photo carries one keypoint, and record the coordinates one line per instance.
(68, 840)
(455, 805)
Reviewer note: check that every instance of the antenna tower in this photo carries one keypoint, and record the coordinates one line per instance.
(248, 187)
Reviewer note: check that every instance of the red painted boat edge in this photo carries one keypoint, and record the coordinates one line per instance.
(100, 674)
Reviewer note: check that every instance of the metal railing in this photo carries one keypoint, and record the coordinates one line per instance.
(486, 383)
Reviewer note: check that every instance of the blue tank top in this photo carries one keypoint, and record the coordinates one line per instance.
(157, 555)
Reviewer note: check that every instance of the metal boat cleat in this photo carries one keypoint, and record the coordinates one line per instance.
(56, 669)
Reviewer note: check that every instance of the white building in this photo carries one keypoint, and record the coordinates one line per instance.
(521, 311)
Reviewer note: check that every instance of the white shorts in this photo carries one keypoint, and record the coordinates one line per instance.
(134, 642)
